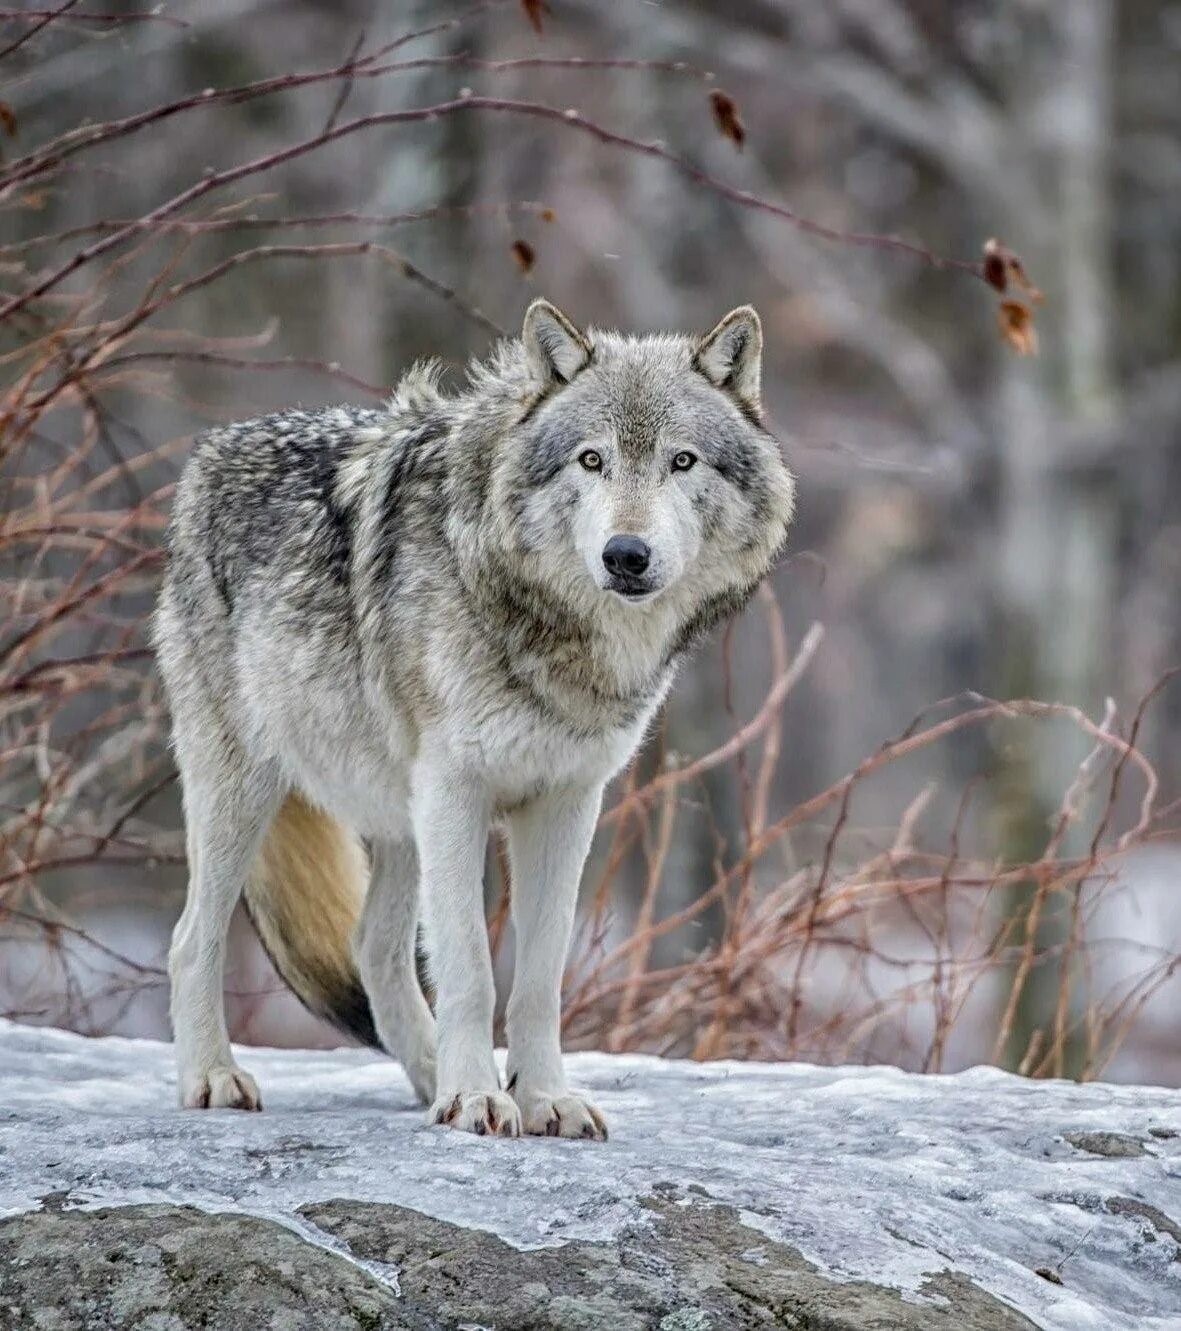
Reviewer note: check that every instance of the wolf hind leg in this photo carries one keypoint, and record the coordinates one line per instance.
(385, 951)
(227, 812)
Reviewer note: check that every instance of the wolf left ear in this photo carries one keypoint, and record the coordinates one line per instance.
(731, 356)
(556, 349)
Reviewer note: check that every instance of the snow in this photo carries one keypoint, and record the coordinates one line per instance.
(871, 1173)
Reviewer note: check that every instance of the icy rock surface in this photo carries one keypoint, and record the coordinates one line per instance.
(977, 1200)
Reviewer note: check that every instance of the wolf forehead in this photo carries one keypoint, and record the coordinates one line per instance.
(640, 394)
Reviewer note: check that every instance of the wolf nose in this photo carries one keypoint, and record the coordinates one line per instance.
(626, 556)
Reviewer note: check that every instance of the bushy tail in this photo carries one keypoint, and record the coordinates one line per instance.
(304, 897)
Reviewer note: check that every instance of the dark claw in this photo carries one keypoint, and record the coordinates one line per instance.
(553, 1127)
(481, 1127)
(588, 1132)
(453, 1109)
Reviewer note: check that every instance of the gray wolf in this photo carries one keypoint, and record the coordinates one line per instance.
(383, 632)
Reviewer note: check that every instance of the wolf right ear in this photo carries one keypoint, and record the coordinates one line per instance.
(731, 356)
(556, 349)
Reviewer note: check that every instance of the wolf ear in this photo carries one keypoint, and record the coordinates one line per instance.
(731, 357)
(556, 349)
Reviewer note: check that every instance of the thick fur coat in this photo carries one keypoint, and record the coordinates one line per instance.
(383, 631)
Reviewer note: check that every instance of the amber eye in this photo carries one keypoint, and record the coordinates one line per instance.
(591, 460)
(683, 461)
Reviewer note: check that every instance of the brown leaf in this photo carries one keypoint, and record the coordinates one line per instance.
(1002, 267)
(524, 254)
(1016, 324)
(726, 117)
(994, 266)
(548, 215)
(8, 119)
(535, 11)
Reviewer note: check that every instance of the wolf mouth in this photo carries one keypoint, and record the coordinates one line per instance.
(635, 592)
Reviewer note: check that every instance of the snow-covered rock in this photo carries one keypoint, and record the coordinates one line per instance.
(729, 1195)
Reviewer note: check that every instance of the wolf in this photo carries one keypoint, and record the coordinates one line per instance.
(384, 632)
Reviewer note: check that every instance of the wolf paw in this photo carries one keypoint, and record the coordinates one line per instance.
(221, 1088)
(561, 1115)
(486, 1113)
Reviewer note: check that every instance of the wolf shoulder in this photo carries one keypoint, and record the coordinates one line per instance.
(252, 482)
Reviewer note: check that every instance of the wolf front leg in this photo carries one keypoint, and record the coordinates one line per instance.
(227, 813)
(549, 840)
(450, 812)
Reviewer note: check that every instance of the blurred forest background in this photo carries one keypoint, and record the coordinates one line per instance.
(839, 846)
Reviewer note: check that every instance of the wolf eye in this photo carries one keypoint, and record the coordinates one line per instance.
(590, 460)
(683, 461)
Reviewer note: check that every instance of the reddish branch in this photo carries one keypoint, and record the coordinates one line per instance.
(191, 227)
(44, 20)
(571, 119)
(62, 14)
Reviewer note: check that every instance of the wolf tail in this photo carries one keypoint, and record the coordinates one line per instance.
(304, 897)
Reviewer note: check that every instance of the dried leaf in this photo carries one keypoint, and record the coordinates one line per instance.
(548, 215)
(1016, 324)
(524, 254)
(1002, 267)
(535, 11)
(994, 266)
(726, 117)
(8, 119)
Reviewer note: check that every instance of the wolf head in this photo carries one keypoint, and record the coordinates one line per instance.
(641, 474)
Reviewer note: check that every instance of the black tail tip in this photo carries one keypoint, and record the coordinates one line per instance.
(350, 1011)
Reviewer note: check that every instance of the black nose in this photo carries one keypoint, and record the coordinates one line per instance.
(626, 556)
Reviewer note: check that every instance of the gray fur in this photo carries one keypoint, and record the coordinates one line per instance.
(373, 608)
